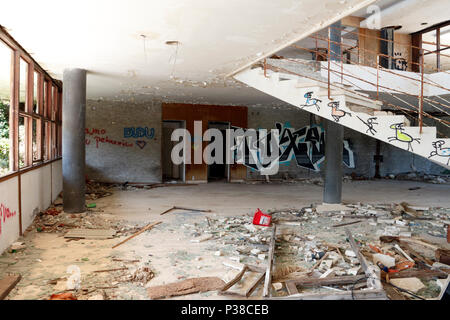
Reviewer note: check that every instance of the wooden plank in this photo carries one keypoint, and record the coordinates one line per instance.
(308, 282)
(7, 284)
(347, 295)
(255, 284)
(291, 287)
(168, 210)
(346, 224)
(422, 274)
(90, 233)
(235, 279)
(188, 286)
(148, 227)
(268, 277)
(373, 280)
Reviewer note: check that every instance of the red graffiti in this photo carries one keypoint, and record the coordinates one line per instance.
(93, 131)
(106, 139)
(5, 213)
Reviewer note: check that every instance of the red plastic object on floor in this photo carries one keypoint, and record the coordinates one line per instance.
(261, 219)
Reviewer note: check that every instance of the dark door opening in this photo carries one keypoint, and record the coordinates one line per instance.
(170, 171)
(219, 171)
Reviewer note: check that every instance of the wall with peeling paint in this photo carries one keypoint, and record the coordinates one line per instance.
(123, 141)
(38, 187)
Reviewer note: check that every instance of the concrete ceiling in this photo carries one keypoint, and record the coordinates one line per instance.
(123, 43)
(411, 15)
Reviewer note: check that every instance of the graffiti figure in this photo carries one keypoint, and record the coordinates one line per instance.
(439, 151)
(400, 63)
(369, 123)
(337, 113)
(310, 101)
(400, 135)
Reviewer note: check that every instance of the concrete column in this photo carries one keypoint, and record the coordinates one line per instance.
(334, 136)
(73, 140)
(334, 140)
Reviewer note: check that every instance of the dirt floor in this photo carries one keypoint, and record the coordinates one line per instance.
(167, 254)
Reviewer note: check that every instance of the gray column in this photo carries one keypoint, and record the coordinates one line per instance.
(334, 139)
(73, 140)
(334, 136)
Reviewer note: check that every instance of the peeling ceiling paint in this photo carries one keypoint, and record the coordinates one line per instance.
(123, 46)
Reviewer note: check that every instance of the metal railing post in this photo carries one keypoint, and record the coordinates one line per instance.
(329, 58)
(378, 76)
(421, 93)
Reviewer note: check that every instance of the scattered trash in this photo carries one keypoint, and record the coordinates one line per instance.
(261, 219)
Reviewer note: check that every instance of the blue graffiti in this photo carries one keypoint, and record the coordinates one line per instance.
(139, 132)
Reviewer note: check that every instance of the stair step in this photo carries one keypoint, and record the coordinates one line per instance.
(425, 131)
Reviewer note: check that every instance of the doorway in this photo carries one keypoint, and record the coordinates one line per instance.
(170, 171)
(219, 171)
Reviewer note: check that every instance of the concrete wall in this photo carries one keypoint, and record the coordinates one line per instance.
(39, 187)
(123, 141)
(395, 160)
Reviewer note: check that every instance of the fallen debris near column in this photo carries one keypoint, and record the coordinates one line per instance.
(8, 283)
(148, 227)
(188, 286)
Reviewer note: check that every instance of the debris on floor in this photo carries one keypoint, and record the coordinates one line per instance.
(7, 283)
(184, 287)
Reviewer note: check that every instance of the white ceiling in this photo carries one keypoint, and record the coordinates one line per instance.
(122, 43)
(411, 15)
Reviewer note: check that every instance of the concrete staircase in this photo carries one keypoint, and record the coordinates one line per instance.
(350, 109)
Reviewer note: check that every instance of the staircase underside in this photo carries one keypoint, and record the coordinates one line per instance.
(354, 110)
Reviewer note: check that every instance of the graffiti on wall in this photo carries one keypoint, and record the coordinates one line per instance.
(370, 123)
(400, 63)
(402, 136)
(139, 132)
(305, 145)
(5, 213)
(100, 137)
(439, 151)
(337, 113)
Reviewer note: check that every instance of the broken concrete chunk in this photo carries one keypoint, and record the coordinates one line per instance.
(350, 253)
(255, 251)
(261, 256)
(410, 284)
(353, 271)
(277, 286)
(218, 253)
(384, 259)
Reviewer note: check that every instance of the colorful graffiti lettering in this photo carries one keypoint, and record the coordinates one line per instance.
(401, 136)
(306, 145)
(439, 151)
(139, 132)
(5, 213)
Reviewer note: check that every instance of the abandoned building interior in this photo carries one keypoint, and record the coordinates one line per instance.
(352, 96)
